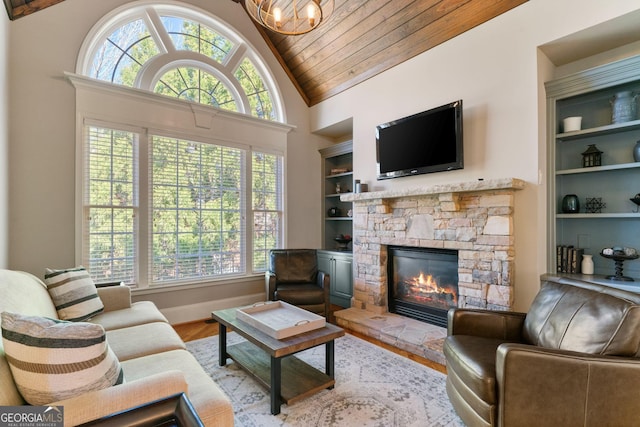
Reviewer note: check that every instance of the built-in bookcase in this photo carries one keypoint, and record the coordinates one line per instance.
(607, 217)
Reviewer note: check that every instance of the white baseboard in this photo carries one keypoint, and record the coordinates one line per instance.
(202, 310)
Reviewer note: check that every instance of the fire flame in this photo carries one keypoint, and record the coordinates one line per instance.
(426, 284)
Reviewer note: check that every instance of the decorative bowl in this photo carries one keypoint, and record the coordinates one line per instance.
(342, 239)
(619, 256)
(343, 242)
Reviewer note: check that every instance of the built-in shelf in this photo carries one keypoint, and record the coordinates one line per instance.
(338, 264)
(336, 158)
(599, 168)
(339, 175)
(589, 94)
(599, 130)
(599, 215)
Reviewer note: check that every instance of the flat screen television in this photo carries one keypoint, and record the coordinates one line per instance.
(430, 141)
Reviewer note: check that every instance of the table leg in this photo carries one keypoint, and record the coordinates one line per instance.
(276, 384)
(222, 345)
(330, 360)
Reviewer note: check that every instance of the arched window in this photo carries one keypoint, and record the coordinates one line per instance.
(183, 53)
(176, 193)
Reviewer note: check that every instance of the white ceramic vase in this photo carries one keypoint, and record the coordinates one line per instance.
(587, 264)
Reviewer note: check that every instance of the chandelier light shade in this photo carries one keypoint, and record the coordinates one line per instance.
(290, 17)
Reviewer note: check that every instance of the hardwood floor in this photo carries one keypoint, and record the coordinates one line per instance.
(205, 328)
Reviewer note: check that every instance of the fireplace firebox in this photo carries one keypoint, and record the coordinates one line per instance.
(422, 283)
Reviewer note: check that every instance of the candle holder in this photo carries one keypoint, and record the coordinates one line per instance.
(619, 259)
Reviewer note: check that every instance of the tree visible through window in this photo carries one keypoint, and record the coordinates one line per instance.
(111, 204)
(267, 206)
(194, 84)
(218, 73)
(197, 210)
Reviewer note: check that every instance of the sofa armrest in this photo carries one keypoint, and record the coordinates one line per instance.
(324, 281)
(557, 387)
(505, 325)
(270, 285)
(101, 403)
(115, 297)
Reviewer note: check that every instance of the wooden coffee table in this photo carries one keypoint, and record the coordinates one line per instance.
(270, 360)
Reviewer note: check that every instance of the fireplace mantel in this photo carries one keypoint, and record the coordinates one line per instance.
(457, 187)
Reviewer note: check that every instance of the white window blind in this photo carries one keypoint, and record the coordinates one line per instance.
(110, 204)
(266, 206)
(197, 210)
(200, 219)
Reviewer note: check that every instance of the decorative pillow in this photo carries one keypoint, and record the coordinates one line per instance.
(54, 359)
(73, 293)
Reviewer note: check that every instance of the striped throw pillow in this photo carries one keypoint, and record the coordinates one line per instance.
(73, 293)
(53, 359)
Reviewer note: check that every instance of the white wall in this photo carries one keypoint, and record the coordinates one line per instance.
(495, 69)
(4, 140)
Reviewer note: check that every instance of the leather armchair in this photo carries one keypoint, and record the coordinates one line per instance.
(572, 360)
(293, 277)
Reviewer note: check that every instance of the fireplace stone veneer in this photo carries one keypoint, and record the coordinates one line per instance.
(474, 218)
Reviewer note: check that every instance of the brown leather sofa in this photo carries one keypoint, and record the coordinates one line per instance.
(293, 277)
(572, 360)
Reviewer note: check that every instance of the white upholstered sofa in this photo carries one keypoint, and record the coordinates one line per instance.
(152, 356)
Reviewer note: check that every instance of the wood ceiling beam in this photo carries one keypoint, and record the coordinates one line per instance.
(19, 8)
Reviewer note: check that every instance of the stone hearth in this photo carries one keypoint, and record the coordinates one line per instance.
(414, 336)
(475, 218)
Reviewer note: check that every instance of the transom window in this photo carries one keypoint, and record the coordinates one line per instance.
(174, 51)
(167, 200)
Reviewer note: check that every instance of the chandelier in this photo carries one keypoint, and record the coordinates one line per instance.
(290, 17)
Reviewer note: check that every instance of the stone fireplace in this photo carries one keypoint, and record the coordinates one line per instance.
(473, 218)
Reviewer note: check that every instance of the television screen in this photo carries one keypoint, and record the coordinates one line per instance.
(426, 142)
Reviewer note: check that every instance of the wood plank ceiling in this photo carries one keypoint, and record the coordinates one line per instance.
(361, 39)
(19, 8)
(366, 37)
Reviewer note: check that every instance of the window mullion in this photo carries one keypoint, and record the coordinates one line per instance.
(144, 214)
(248, 216)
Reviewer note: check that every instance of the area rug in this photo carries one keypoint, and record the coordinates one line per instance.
(374, 387)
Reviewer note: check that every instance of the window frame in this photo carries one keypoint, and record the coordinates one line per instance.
(150, 13)
(114, 107)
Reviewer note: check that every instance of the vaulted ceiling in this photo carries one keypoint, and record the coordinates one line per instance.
(366, 37)
(361, 39)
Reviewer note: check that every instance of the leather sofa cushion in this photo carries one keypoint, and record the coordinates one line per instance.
(584, 320)
(300, 294)
(294, 265)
